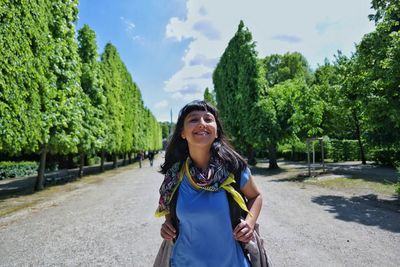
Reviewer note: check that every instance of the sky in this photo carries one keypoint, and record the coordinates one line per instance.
(171, 47)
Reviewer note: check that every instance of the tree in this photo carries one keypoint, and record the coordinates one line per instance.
(210, 97)
(23, 26)
(94, 128)
(288, 108)
(111, 64)
(237, 85)
(279, 68)
(377, 59)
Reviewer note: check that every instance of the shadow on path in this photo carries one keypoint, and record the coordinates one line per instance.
(365, 210)
(256, 170)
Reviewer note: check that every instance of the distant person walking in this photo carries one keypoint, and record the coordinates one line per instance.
(151, 158)
(140, 158)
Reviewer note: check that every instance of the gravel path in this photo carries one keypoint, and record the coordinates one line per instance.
(111, 223)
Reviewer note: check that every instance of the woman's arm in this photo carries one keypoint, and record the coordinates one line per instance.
(244, 231)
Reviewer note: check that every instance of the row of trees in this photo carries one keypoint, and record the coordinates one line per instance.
(279, 100)
(57, 97)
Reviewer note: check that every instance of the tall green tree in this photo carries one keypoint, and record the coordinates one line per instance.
(60, 97)
(377, 58)
(237, 85)
(111, 65)
(336, 118)
(23, 26)
(288, 109)
(94, 128)
(352, 92)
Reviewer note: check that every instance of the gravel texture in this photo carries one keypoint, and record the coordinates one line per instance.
(111, 223)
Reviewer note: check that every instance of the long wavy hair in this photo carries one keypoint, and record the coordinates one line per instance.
(178, 150)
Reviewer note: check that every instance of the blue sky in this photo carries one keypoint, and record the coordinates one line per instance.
(171, 47)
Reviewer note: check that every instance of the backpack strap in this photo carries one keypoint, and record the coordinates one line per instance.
(236, 213)
(174, 218)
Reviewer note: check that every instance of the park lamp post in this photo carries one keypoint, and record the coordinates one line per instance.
(321, 142)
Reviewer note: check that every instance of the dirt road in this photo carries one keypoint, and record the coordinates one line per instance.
(111, 223)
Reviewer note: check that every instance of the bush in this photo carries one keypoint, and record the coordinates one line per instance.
(397, 190)
(343, 150)
(386, 156)
(337, 150)
(9, 169)
(295, 151)
(93, 161)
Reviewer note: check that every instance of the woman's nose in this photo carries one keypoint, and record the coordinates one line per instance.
(202, 122)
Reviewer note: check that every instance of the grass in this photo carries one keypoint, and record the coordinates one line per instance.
(356, 184)
(28, 199)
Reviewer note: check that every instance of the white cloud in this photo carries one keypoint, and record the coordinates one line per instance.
(315, 28)
(129, 24)
(161, 104)
(207, 28)
(130, 29)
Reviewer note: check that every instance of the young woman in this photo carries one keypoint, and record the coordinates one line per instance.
(202, 192)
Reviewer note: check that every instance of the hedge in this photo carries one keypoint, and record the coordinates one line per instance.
(337, 150)
(9, 169)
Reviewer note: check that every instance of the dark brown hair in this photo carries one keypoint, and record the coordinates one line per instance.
(178, 150)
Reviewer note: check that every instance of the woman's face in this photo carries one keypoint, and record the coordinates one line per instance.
(199, 129)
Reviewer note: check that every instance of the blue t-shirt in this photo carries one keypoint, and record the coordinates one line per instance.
(205, 230)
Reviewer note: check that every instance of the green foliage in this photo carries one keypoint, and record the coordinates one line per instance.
(10, 169)
(61, 105)
(377, 59)
(94, 128)
(398, 182)
(166, 129)
(131, 125)
(52, 94)
(22, 43)
(115, 111)
(388, 156)
(210, 97)
(343, 150)
(295, 150)
(291, 109)
(237, 85)
(336, 121)
(280, 68)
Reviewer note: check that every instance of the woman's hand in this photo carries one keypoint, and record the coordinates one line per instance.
(243, 232)
(167, 231)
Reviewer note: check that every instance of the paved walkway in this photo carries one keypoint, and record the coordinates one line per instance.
(111, 223)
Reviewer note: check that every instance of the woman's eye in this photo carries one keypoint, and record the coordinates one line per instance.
(208, 119)
(193, 120)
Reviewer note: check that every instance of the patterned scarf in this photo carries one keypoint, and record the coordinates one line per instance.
(216, 176)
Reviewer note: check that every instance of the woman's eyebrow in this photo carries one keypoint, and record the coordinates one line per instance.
(192, 115)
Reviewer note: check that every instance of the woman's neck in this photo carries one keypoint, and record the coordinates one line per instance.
(200, 157)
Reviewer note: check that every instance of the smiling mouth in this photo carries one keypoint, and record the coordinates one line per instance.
(202, 133)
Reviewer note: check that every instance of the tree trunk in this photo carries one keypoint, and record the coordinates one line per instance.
(115, 160)
(273, 164)
(82, 162)
(250, 154)
(42, 165)
(70, 161)
(292, 154)
(102, 161)
(358, 134)
(124, 159)
(130, 157)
